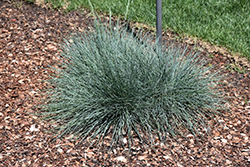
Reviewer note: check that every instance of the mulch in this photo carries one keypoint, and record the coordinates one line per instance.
(28, 45)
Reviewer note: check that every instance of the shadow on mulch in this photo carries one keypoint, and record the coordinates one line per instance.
(28, 44)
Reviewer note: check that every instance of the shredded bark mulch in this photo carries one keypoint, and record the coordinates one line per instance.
(28, 45)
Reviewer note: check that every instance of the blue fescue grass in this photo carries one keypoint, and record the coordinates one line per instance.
(111, 82)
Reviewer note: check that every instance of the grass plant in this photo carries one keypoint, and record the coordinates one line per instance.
(223, 23)
(112, 83)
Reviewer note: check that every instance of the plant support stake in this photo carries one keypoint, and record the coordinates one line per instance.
(159, 21)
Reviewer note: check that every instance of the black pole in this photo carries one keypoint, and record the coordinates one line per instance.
(159, 21)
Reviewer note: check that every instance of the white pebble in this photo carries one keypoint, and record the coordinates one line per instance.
(223, 140)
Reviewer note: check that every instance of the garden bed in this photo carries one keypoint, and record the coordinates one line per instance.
(28, 45)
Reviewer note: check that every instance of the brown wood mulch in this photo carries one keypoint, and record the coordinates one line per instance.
(28, 38)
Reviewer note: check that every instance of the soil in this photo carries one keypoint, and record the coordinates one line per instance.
(28, 45)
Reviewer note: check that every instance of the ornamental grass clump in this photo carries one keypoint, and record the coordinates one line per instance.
(112, 83)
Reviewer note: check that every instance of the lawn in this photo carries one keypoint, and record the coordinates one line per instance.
(222, 23)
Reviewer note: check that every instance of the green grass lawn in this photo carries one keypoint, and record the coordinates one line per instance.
(221, 22)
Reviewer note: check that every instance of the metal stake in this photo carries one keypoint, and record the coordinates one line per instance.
(159, 21)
